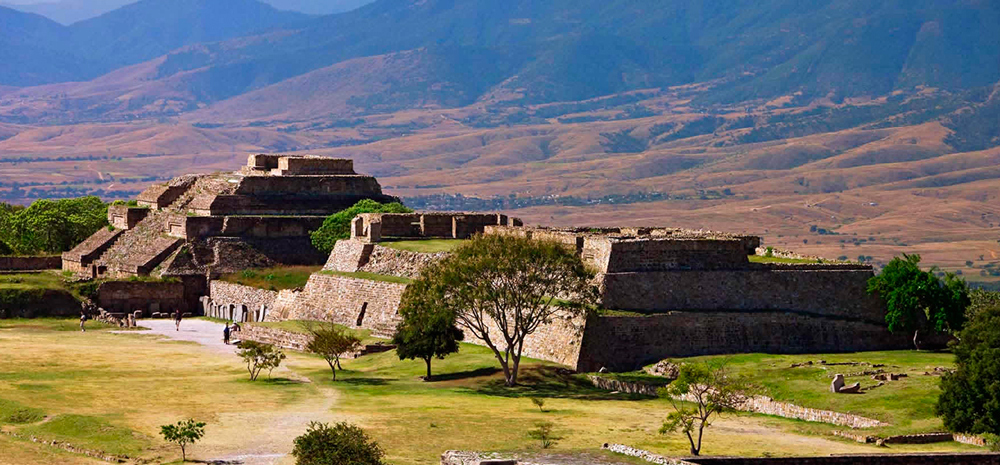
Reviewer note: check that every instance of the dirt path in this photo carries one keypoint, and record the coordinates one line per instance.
(250, 438)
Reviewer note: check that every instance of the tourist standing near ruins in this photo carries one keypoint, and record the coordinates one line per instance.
(83, 319)
(225, 334)
(177, 319)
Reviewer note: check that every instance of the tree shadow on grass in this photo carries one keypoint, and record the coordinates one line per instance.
(363, 381)
(282, 381)
(552, 382)
(459, 375)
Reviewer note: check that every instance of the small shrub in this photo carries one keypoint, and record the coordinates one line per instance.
(992, 441)
(336, 445)
(539, 402)
(24, 415)
(543, 434)
(769, 252)
(248, 274)
(183, 434)
(259, 357)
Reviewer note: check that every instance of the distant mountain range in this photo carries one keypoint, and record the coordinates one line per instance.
(70, 11)
(555, 50)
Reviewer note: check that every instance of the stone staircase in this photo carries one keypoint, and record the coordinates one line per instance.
(140, 249)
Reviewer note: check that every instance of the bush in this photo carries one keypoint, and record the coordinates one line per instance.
(970, 399)
(183, 434)
(340, 444)
(259, 357)
(338, 225)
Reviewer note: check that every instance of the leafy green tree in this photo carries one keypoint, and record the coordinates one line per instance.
(338, 225)
(259, 357)
(427, 329)
(183, 434)
(339, 444)
(503, 288)
(5, 249)
(331, 342)
(709, 390)
(970, 397)
(917, 300)
(52, 225)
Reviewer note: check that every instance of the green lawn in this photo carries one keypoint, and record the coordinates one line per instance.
(369, 276)
(301, 327)
(907, 404)
(424, 245)
(108, 391)
(285, 277)
(763, 259)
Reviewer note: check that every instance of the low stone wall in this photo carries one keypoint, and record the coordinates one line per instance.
(643, 454)
(610, 384)
(926, 438)
(969, 439)
(275, 337)
(759, 404)
(30, 263)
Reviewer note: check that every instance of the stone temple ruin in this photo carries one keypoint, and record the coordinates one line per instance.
(201, 225)
(664, 292)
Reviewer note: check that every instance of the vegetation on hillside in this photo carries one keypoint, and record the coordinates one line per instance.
(338, 225)
(275, 279)
(50, 226)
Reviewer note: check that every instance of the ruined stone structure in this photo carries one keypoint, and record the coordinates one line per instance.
(690, 292)
(373, 227)
(196, 226)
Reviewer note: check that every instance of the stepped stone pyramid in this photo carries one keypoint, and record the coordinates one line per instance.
(199, 225)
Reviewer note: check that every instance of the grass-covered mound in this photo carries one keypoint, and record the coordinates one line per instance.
(276, 279)
(41, 294)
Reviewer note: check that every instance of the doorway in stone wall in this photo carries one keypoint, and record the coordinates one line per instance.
(361, 316)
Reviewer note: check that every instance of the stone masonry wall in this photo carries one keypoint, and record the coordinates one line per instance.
(30, 263)
(128, 296)
(353, 302)
(831, 292)
(349, 255)
(627, 343)
(224, 293)
(403, 263)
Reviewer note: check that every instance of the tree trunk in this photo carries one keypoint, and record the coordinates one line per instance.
(184, 457)
(333, 368)
(701, 432)
(916, 339)
(428, 361)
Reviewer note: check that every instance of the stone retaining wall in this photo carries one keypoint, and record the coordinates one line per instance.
(403, 263)
(251, 298)
(352, 302)
(969, 439)
(828, 292)
(148, 296)
(30, 263)
(627, 343)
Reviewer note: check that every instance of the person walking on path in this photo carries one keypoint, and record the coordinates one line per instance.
(83, 319)
(225, 334)
(177, 319)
